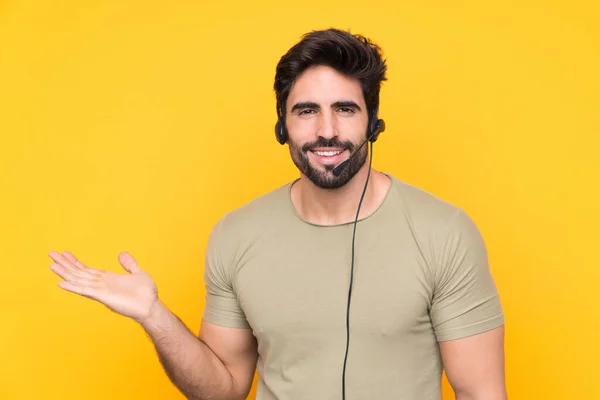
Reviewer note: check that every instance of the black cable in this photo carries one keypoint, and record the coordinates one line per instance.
(352, 276)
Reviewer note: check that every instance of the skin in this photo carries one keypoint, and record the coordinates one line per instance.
(219, 363)
(326, 87)
(475, 366)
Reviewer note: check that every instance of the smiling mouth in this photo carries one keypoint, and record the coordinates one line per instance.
(327, 153)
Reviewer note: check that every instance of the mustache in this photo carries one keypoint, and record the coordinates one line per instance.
(333, 142)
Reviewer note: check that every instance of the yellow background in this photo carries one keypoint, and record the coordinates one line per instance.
(134, 125)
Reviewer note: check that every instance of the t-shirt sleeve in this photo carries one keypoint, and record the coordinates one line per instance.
(222, 305)
(465, 299)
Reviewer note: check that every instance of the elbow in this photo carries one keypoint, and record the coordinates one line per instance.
(228, 397)
(481, 394)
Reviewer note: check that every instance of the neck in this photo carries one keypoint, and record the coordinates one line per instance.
(338, 206)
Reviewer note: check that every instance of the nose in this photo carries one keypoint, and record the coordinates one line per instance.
(327, 127)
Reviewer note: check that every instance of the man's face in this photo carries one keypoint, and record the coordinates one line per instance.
(326, 119)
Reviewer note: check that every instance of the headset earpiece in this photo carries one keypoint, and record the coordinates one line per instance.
(280, 131)
(376, 126)
(280, 134)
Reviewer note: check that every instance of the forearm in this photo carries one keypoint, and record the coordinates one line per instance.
(188, 362)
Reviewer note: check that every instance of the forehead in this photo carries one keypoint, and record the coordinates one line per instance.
(324, 85)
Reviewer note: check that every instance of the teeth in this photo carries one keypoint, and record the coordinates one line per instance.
(327, 153)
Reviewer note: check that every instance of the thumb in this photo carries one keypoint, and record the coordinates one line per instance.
(128, 262)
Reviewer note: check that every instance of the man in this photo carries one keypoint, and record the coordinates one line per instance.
(343, 284)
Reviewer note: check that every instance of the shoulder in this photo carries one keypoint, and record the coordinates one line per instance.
(423, 209)
(439, 227)
(254, 216)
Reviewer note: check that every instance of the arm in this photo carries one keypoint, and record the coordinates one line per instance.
(219, 364)
(475, 365)
(467, 313)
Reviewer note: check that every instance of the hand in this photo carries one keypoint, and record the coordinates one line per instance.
(133, 295)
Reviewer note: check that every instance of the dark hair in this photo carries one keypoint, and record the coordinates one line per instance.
(350, 54)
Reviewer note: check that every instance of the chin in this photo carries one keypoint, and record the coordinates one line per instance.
(324, 178)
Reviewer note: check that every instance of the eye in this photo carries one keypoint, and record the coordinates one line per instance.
(346, 110)
(305, 111)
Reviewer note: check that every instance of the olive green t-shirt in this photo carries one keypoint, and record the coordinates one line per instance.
(421, 275)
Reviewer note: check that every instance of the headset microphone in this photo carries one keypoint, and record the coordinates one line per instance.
(338, 170)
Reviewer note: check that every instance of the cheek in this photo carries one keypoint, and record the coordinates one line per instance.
(352, 129)
(352, 126)
(302, 131)
(303, 126)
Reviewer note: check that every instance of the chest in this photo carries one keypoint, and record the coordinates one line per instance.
(297, 285)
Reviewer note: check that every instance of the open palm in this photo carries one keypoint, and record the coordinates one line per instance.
(132, 295)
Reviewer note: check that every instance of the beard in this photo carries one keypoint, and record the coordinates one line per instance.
(323, 176)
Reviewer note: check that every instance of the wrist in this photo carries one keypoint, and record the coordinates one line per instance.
(156, 316)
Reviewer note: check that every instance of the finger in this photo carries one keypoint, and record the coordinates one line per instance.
(67, 274)
(69, 256)
(68, 260)
(68, 271)
(74, 276)
(128, 262)
(60, 259)
(86, 291)
(82, 272)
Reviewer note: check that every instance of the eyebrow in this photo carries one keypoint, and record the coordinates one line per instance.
(309, 104)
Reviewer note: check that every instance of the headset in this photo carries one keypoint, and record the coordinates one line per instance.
(376, 126)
